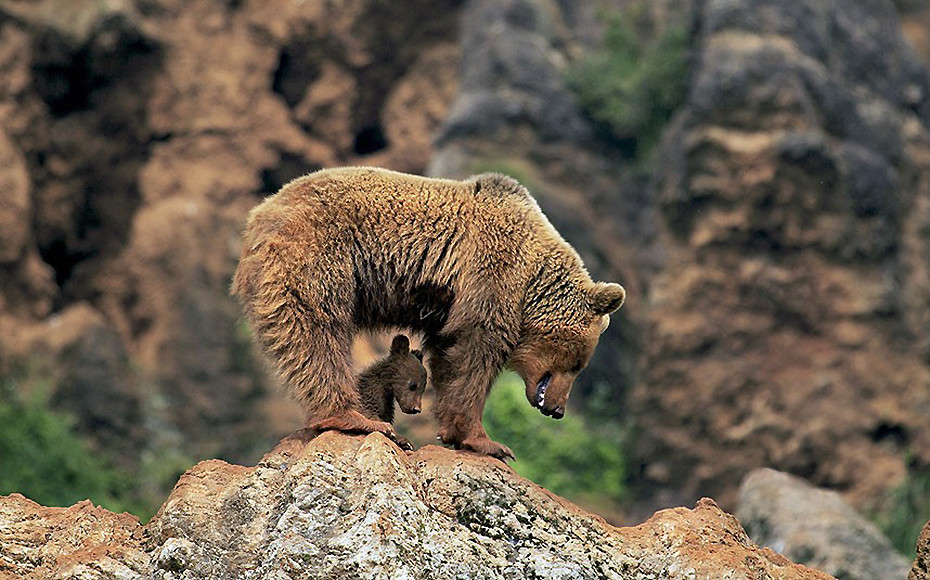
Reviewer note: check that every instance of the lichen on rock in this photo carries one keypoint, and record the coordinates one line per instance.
(339, 506)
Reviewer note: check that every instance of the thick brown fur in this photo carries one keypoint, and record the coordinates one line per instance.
(473, 265)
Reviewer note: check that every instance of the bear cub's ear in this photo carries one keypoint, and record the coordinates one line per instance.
(400, 344)
(606, 297)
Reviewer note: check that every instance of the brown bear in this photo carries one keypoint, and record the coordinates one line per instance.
(401, 377)
(473, 265)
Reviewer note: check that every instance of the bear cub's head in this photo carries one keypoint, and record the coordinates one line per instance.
(404, 375)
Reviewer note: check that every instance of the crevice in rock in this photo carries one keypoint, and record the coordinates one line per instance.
(289, 167)
(370, 139)
(298, 67)
(62, 261)
(66, 75)
(892, 433)
(97, 140)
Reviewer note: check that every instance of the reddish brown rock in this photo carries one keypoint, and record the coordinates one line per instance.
(81, 541)
(788, 325)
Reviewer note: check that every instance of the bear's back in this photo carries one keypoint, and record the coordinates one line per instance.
(424, 227)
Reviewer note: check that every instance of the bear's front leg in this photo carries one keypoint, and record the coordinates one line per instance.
(462, 376)
(479, 442)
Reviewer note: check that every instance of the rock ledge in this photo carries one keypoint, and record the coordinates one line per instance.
(336, 506)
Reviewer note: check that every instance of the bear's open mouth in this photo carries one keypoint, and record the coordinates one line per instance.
(541, 387)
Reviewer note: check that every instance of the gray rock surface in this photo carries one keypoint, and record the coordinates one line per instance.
(342, 507)
(336, 506)
(815, 527)
(512, 73)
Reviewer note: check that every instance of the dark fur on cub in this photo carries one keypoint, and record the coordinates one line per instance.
(399, 376)
(473, 265)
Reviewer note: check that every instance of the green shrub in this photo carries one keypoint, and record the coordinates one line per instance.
(43, 458)
(633, 84)
(905, 511)
(566, 457)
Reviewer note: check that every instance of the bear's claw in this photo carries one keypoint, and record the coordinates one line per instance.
(403, 443)
(487, 447)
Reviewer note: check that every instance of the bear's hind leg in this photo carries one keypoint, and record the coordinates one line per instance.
(325, 384)
(299, 311)
(351, 421)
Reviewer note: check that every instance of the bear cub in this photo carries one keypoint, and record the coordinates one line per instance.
(401, 377)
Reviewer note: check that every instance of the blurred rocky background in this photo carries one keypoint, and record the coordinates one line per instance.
(756, 173)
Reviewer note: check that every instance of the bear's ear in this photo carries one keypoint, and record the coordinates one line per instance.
(606, 297)
(400, 344)
(418, 354)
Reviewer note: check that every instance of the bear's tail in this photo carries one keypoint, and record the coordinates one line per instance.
(296, 329)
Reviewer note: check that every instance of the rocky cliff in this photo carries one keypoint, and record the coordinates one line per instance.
(921, 568)
(336, 506)
(789, 323)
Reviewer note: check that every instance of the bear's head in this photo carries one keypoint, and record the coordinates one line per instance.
(550, 354)
(406, 375)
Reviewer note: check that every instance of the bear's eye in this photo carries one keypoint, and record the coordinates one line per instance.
(577, 368)
(412, 386)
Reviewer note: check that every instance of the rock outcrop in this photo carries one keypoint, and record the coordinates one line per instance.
(336, 506)
(81, 541)
(815, 527)
(788, 326)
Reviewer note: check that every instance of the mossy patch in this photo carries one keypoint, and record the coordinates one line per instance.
(632, 85)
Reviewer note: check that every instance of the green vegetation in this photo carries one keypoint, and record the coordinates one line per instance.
(905, 512)
(633, 84)
(567, 457)
(43, 458)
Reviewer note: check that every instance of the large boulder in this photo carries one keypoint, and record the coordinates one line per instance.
(815, 527)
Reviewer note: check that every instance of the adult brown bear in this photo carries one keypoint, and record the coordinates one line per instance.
(473, 265)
